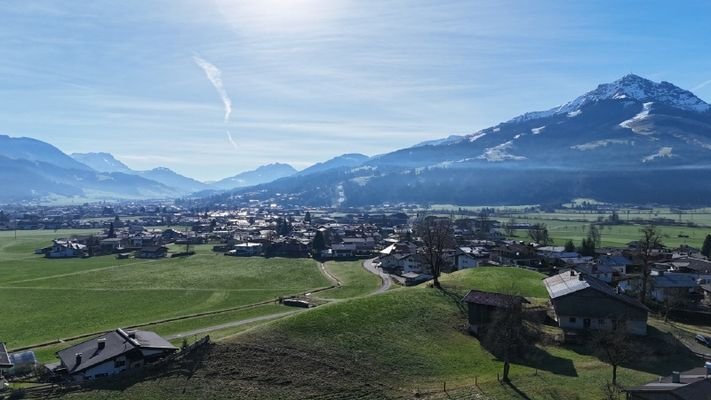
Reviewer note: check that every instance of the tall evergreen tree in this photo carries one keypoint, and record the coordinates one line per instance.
(706, 248)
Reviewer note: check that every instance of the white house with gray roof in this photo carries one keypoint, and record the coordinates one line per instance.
(582, 303)
(112, 353)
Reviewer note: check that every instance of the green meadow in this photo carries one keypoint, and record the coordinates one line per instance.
(44, 300)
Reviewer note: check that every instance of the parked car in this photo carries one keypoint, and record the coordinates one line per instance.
(705, 340)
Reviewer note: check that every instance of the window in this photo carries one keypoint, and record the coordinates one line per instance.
(601, 322)
(119, 363)
(572, 320)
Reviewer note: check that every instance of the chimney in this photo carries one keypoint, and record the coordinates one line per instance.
(78, 358)
(581, 277)
(572, 272)
(132, 334)
(101, 343)
(676, 377)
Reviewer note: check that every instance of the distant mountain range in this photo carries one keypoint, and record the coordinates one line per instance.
(32, 170)
(263, 174)
(632, 140)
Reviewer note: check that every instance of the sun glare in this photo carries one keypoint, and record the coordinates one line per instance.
(279, 16)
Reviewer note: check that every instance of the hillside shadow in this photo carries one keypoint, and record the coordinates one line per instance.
(538, 358)
(660, 353)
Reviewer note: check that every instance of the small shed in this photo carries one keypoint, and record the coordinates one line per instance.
(483, 305)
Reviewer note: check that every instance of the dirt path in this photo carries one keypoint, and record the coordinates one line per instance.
(232, 324)
(387, 281)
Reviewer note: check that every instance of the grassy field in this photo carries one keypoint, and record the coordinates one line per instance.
(392, 345)
(44, 299)
(616, 235)
(355, 280)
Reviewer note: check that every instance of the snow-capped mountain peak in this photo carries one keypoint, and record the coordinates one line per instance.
(629, 87)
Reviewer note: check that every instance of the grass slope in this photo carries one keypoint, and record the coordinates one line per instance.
(388, 346)
(355, 280)
(46, 299)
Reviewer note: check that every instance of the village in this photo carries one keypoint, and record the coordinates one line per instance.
(591, 288)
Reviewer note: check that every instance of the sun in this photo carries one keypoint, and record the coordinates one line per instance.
(279, 16)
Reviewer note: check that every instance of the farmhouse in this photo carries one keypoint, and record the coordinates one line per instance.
(582, 302)
(483, 305)
(66, 249)
(112, 353)
(692, 384)
(152, 252)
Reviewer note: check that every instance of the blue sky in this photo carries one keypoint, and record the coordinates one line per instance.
(311, 79)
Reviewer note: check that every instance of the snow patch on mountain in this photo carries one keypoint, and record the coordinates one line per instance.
(575, 113)
(476, 136)
(664, 152)
(600, 143)
(538, 130)
(629, 87)
(630, 123)
(438, 142)
(500, 153)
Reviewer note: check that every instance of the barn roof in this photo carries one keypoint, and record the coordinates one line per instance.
(569, 282)
(493, 299)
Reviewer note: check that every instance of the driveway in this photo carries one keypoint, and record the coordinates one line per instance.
(384, 277)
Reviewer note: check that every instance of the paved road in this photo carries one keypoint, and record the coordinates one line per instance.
(384, 277)
(229, 325)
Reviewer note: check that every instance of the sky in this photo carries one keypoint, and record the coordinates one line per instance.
(210, 88)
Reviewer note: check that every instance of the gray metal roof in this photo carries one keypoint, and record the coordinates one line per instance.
(4, 357)
(117, 342)
(569, 282)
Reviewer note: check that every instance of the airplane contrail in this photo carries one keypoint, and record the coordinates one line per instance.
(215, 76)
(232, 142)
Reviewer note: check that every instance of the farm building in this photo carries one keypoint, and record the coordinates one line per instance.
(112, 353)
(483, 305)
(66, 249)
(582, 302)
(152, 252)
(692, 384)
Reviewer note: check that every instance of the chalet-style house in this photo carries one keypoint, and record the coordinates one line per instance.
(470, 257)
(483, 305)
(692, 384)
(664, 286)
(66, 249)
(112, 353)
(583, 303)
(516, 254)
(618, 264)
(152, 252)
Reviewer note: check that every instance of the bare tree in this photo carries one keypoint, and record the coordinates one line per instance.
(539, 234)
(437, 236)
(650, 241)
(673, 299)
(510, 335)
(615, 347)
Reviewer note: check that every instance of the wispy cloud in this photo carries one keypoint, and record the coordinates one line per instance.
(215, 76)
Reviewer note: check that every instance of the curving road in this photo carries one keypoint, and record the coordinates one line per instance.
(387, 281)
